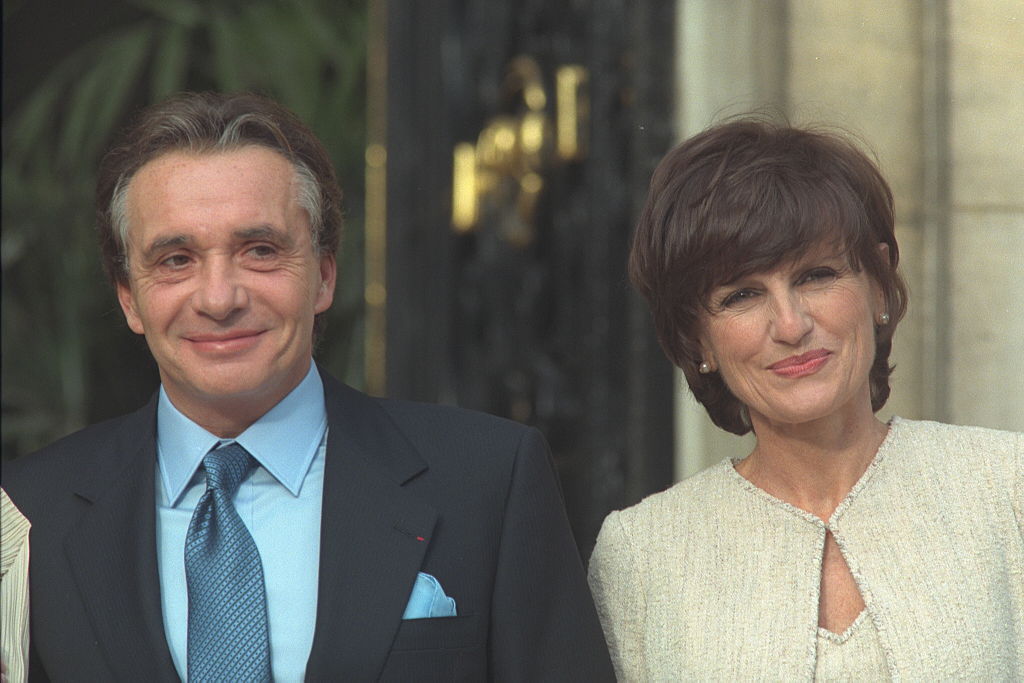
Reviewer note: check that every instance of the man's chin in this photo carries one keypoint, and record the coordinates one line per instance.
(224, 387)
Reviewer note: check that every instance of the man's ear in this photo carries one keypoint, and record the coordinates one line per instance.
(131, 315)
(328, 279)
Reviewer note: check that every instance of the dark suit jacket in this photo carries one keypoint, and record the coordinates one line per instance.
(469, 498)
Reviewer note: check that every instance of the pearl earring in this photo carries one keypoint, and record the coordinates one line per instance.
(884, 319)
(704, 368)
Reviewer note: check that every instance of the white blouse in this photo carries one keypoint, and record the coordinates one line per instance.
(854, 655)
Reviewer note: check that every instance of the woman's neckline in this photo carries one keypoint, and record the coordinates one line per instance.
(850, 496)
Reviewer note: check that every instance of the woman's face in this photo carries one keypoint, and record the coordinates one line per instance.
(796, 344)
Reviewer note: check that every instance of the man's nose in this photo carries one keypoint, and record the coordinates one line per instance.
(220, 290)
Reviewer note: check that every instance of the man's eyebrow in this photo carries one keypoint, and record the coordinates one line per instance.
(264, 232)
(162, 243)
(258, 232)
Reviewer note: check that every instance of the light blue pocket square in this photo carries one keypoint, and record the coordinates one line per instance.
(428, 600)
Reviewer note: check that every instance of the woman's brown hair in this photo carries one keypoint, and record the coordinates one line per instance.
(744, 197)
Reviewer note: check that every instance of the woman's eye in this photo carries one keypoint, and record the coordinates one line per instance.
(819, 275)
(738, 297)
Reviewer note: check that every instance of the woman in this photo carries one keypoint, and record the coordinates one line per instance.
(841, 547)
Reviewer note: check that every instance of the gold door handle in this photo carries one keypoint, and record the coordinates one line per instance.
(513, 151)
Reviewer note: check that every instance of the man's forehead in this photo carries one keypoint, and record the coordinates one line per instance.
(178, 179)
(187, 158)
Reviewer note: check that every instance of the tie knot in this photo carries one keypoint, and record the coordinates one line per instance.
(226, 467)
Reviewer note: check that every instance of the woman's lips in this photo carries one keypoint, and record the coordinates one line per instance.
(802, 365)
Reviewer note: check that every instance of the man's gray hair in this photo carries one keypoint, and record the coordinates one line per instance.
(306, 192)
(211, 123)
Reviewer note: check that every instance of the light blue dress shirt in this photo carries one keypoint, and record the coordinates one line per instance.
(279, 503)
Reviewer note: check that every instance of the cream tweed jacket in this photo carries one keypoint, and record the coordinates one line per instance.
(715, 579)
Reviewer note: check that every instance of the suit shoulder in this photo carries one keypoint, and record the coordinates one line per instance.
(70, 456)
(467, 445)
(451, 422)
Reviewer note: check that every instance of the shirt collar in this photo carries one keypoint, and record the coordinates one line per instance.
(284, 441)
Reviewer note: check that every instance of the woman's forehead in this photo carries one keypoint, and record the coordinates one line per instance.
(829, 247)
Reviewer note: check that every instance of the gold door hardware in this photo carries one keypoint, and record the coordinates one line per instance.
(506, 165)
(573, 110)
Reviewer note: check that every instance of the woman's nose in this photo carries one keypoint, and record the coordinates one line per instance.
(790, 319)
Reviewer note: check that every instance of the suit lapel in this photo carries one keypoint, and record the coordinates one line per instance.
(374, 535)
(113, 556)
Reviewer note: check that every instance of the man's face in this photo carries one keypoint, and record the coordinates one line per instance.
(224, 281)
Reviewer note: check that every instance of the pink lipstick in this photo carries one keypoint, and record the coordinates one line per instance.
(802, 365)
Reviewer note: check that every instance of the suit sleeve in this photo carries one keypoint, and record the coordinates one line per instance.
(543, 623)
(616, 583)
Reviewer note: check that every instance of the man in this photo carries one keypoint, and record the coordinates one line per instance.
(258, 518)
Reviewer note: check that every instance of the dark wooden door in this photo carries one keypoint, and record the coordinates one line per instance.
(519, 305)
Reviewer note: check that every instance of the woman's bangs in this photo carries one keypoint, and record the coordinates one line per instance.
(779, 227)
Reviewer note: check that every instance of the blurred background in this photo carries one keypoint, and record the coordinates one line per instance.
(494, 155)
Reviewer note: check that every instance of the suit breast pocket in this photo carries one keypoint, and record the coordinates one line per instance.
(441, 649)
(442, 633)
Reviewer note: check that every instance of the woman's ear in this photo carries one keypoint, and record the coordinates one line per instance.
(706, 359)
(883, 249)
(707, 363)
(879, 294)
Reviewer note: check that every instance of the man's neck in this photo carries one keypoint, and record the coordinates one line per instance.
(228, 416)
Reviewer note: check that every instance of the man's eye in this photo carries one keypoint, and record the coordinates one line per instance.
(262, 251)
(175, 261)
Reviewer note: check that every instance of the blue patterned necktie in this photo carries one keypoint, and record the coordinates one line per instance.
(227, 601)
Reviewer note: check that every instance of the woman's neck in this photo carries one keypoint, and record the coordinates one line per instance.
(814, 465)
